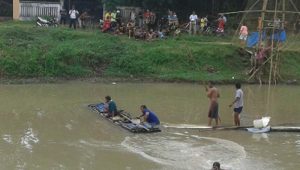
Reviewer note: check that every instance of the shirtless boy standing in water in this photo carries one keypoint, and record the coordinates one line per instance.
(213, 95)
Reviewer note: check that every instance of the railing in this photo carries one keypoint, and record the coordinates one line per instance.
(126, 11)
(30, 10)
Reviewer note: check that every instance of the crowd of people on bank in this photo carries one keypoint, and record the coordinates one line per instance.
(75, 18)
(144, 24)
(201, 24)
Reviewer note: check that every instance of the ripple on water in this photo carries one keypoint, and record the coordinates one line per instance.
(69, 126)
(29, 139)
(7, 138)
(194, 152)
(298, 146)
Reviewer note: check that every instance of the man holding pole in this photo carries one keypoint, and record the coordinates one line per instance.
(213, 112)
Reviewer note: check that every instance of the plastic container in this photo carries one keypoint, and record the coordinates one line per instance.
(261, 123)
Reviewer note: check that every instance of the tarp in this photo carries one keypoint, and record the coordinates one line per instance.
(279, 36)
(253, 38)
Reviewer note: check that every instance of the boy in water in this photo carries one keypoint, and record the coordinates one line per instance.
(216, 166)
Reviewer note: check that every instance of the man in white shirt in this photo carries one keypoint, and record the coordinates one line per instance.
(238, 104)
(193, 23)
(73, 17)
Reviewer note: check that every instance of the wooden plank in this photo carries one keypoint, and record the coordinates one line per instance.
(209, 128)
(199, 127)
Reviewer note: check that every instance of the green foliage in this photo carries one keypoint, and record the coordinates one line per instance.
(28, 51)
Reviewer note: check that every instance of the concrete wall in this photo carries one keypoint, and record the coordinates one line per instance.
(27, 10)
(16, 9)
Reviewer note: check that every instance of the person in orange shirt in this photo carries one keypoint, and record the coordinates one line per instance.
(243, 34)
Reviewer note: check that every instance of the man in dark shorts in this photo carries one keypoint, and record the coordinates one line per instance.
(238, 104)
(213, 112)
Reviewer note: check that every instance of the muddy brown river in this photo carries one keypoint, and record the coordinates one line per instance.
(48, 126)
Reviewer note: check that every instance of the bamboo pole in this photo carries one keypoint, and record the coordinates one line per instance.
(263, 14)
(283, 14)
(104, 10)
(257, 11)
(292, 2)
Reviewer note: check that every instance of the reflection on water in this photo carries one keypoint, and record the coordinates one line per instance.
(261, 136)
(7, 138)
(48, 126)
(298, 145)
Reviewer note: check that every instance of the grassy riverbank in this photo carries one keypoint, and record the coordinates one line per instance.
(27, 51)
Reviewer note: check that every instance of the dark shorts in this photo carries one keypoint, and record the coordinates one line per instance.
(238, 110)
(214, 111)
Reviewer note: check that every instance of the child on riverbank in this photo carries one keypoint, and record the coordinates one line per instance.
(243, 34)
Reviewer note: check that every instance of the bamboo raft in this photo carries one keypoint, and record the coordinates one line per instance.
(123, 120)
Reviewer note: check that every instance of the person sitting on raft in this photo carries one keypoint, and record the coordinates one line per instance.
(110, 107)
(148, 118)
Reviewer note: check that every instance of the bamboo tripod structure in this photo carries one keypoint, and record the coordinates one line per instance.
(274, 56)
(269, 16)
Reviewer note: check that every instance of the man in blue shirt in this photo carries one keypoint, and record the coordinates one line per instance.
(148, 118)
(111, 107)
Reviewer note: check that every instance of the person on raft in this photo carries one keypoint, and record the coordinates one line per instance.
(110, 107)
(148, 118)
(213, 112)
(238, 104)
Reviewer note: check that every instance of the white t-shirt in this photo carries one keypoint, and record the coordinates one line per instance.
(73, 13)
(193, 18)
(225, 19)
(239, 94)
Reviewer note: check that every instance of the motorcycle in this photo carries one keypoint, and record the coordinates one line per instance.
(41, 22)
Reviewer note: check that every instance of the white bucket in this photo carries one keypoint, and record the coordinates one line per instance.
(261, 123)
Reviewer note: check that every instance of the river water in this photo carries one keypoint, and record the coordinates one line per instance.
(48, 126)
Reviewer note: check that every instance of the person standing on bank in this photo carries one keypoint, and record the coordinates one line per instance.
(63, 16)
(73, 17)
(193, 23)
(213, 112)
(238, 104)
